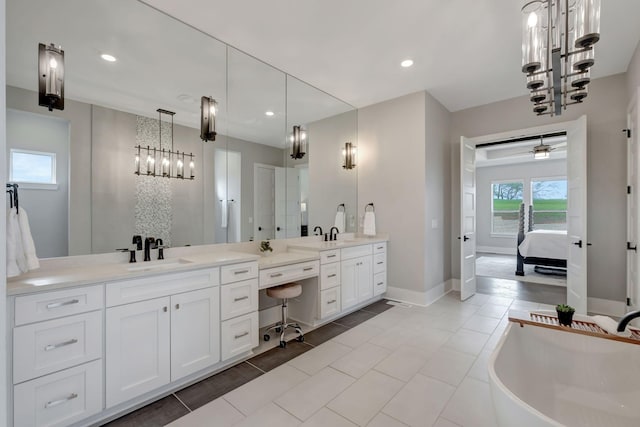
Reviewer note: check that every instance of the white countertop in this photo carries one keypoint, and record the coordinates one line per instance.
(285, 258)
(321, 245)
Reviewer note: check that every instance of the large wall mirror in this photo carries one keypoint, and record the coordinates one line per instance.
(246, 186)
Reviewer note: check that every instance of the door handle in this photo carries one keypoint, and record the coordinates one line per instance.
(259, 228)
(579, 243)
(464, 238)
(277, 228)
(632, 248)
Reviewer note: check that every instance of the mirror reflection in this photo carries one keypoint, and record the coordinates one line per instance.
(246, 185)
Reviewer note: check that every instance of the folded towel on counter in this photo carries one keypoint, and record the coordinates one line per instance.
(339, 222)
(610, 325)
(369, 226)
(21, 252)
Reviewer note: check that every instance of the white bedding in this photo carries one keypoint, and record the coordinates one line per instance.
(545, 244)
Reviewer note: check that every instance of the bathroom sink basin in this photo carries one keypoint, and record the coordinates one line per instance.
(158, 265)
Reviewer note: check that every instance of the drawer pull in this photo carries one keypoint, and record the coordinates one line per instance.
(331, 302)
(244, 334)
(164, 309)
(62, 304)
(381, 262)
(307, 269)
(275, 275)
(240, 298)
(331, 256)
(61, 344)
(53, 403)
(381, 283)
(177, 306)
(332, 275)
(241, 272)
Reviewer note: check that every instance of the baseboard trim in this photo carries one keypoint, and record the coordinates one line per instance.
(606, 306)
(496, 250)
(421, 299)
(455, 284)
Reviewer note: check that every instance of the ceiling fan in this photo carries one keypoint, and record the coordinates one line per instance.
(543, 151)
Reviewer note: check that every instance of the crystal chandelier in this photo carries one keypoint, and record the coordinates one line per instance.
(557, 51)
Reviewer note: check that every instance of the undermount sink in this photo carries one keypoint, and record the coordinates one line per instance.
(158, 265)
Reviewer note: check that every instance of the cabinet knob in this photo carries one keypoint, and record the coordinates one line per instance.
(177, 306)
(164, 309)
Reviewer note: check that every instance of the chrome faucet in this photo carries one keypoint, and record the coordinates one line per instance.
(315, 230)
(149, 243)
(333, 236)
(626, 319)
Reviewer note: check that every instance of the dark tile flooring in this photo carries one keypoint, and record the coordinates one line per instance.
(534, 292)
(178, 404)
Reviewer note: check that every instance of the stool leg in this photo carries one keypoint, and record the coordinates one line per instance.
(283, 343)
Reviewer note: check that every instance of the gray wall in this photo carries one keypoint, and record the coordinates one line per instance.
(47, 208)
(3, 233)
(521, 171)
(606, 172)
(633, 73)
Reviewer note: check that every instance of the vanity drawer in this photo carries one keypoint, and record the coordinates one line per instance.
(238, 272)
(379, 248)
(239, 298)
(356, 252)
(51, 305)
(128, 291)
(329, 275)
(45, 347)
(239, 335)
(287, 273)
(329, 256)
(379, 263)
(380, 283)
(59, 399)
(329, 302)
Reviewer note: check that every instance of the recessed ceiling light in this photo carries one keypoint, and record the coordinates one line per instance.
(406, 63)
(108, 58)
(269, 113)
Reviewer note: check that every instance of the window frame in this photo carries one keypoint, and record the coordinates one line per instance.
(53, 185)
(504, 181)
(548, 178)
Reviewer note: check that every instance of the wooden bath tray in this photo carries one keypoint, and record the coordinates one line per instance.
(577, 326)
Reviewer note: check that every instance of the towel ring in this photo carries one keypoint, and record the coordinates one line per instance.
(372, 208)
(341, 205)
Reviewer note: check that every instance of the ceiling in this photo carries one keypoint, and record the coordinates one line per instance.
(466, 52)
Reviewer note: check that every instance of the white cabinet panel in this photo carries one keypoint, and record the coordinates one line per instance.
(59, 399)
(365, 279)
(329, 275)
(195, 331)
(51, 305)
(379, 283)
(349, 283)
(379, 248)
(238, 272)
(239, 335)
(330, 302)
(356, 252)
(45, 347)
(329, 256)
(238, 298)
(288, 273)
(379, 263)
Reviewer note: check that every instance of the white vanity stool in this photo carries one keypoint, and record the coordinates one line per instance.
(284, 292)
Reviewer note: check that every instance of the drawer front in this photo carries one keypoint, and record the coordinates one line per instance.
(329, 256)
(59, 399)
(380, 283)
(239, 335)
(45, 347)
(135, 290)
(238, 272)
(379, 248)
(239, 298)
(379, 263)
(329, 275)
(51, 305)
(356, 252)
(329, 302)
(288, 273)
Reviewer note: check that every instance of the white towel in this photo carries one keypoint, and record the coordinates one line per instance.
(27, 241)
(14, 245)
(223, 213)
(369, 226)
(610, 325)
(339, 222)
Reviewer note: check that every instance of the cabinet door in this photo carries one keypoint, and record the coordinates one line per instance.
(349, 285)
(365, 278)
(195, 331)
(137, 344)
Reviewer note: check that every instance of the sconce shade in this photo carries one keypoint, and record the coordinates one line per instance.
(50, 77)
(298, 143)
(349, 153)
(208, 107)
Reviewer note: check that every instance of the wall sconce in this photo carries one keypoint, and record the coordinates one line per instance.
(298, 143)
(208, 109)
(349, 154)
(51, 77)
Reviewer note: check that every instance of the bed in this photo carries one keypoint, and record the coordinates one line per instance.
(546, 249)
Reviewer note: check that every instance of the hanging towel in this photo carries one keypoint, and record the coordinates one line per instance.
(28, 247)
(369, 226)
(15, 254)
(223, 213)
(339, 222)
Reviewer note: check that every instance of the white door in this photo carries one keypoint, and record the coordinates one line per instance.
(577, 215)
(633, 225)
(349, 285)
(293, 203)
(195, 331)
(264, 202)
(137, 349)
(281, 203)
(467, 219)
(365, 278)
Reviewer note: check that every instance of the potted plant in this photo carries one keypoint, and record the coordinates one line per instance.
(265, 248)
(565, 314)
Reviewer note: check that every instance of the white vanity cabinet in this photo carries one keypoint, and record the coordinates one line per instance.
(356, 275)
(379, 268)
(330, 280)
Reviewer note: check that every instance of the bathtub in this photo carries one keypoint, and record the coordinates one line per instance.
(544, 377)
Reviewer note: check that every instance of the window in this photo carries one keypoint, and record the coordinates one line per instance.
(33, 167)
(505, 206)
(549, 203)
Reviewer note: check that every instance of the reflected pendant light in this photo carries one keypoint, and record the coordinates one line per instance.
(349, 156)
(51, 77)
(557, 51)
(298, 143)
(208, 109)
(542, 151)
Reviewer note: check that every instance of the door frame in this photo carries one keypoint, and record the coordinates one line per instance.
(255, 194)
(633, 295)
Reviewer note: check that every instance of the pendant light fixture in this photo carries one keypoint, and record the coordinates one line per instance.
(349, 154)
(51, 76)
(557, 51)
(172, 164)
(298, 142)
(208, 109)
(542, 151)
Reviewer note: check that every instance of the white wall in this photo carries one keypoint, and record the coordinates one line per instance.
(633, 73)
(523, 171)
(3, 231)
(606, 172)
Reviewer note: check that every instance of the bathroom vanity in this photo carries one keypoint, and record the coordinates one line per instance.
(92, 342)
